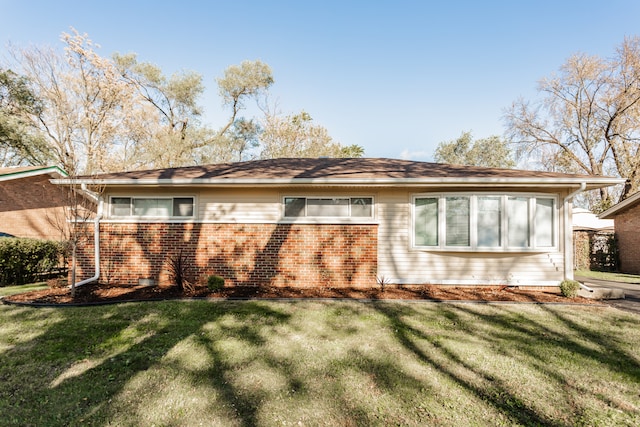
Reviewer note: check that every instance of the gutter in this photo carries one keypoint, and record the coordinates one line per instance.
(96, 239)
(555, 182)
(568, 237)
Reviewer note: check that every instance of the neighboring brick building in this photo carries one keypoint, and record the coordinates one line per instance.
(626, 216)
(30, 206)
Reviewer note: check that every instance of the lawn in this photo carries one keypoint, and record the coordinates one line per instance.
(8, 290)
(602, 275)
(258, 363)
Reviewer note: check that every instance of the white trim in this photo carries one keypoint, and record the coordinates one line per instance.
(308, 221)
(139, 218)
(473, 217)
(556, 182)
(48, 170)
(326, 219)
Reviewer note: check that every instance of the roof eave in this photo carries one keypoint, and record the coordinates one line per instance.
(617, 208)
(50, 170)
(591, 182)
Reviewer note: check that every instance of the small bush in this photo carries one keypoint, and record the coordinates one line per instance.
(569, 288)
(215, 283)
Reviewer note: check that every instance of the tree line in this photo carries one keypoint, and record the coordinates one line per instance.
(89, 114)
(585, 121)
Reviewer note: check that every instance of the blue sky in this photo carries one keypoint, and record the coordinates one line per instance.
(396, 77)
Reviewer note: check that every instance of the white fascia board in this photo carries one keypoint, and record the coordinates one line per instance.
(35, 172)
(592, 182)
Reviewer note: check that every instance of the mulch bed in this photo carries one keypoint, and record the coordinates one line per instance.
(102, 293)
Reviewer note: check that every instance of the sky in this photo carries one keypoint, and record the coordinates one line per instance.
(396, 77)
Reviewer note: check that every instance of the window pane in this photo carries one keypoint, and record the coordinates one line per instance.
(152, 207)
(544, 222)
(489, 221)
(457, 221)
(362, 207)
(120, 206)
(426, 222)
(183, 206)
(328, 207)
(294, 206)
(518, 217)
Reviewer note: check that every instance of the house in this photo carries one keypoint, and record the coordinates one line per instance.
(626, 216)
(30, 205)
(336, 222)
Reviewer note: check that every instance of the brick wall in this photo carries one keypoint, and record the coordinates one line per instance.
(32, 207)
(244, 254)
(627, 225)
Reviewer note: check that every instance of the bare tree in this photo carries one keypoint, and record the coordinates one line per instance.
(588, 120)
(81, 98)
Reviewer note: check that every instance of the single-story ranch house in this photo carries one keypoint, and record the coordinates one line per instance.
(335, 222)
(626, 216)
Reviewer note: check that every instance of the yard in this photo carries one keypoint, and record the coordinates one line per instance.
(187, 363)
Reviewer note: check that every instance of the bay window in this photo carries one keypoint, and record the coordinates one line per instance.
(491, 222)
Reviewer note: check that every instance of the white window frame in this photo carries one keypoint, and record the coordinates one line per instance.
(321, 219)
(473, 220)
(151, 217)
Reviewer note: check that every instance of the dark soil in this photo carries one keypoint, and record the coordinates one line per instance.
(101, 293)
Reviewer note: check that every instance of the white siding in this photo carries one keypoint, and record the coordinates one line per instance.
(398, 262)
(239, 206)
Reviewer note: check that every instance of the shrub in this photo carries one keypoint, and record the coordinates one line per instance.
(179, 270)
(27, 260)
(569, 288)
(215, 283)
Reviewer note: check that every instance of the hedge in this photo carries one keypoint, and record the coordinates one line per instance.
(27, 260)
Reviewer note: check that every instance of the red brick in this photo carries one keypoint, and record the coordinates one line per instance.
(244, 254)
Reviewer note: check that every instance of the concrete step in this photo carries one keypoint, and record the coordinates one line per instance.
(601, 293)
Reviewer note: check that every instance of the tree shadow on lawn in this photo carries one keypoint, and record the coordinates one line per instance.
(241, 363)
(504, 324)
(78, 384)
(167, 362)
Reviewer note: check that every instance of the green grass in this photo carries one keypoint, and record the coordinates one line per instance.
(616, 277)
(10, 290)
(310, 363)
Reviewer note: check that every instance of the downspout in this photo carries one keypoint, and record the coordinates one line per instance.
(568, 237)
(96, 240)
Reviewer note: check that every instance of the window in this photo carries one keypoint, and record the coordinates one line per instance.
(150, 207)
(328, 207)
(489, 225)
(457, 219)
(485, 221)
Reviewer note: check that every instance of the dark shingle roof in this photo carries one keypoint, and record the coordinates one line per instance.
(342, 172)
(327, 168)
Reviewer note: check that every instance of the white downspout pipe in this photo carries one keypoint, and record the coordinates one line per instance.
(96, 242)
(568, 236)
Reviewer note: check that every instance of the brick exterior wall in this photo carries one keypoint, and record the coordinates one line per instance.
(244, 254)
(32, 207)
(627, 226)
